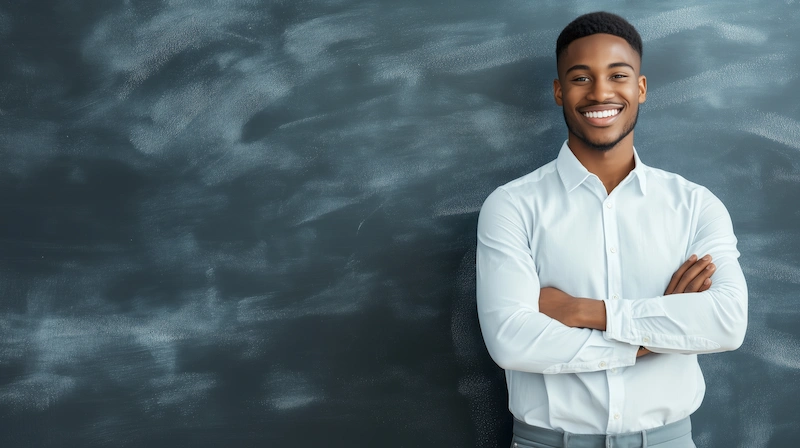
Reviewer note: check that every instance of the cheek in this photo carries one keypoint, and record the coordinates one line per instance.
(571, 98)
(631, 92)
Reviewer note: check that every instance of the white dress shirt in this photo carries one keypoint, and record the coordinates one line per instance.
(558, 227)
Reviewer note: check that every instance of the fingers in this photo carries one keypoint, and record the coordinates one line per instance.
(676, 277)
(694, 278)
(694, 275)
(702, 280)
(706, 284)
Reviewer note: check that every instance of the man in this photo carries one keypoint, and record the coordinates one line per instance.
(578, 295)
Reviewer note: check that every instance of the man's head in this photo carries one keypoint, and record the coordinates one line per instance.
(599, 87)
(598, 23)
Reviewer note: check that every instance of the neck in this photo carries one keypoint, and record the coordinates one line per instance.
(610, 166)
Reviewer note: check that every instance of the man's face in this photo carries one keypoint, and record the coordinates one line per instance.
(600, 89)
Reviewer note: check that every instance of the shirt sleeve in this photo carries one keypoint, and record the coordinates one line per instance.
(517, 335)
(711, 321)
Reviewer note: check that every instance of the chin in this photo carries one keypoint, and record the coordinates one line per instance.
(601, 146)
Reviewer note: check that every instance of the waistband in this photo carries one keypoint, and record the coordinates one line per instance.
(637, 439)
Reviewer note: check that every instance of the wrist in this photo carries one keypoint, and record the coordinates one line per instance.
(592, 314)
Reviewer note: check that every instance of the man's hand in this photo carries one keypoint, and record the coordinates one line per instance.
(693, 276)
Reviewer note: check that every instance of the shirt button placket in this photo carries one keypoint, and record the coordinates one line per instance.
(616, 388)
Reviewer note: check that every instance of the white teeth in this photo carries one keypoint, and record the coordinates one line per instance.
(601, 113)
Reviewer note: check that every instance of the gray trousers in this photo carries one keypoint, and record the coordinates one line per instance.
(673, 435)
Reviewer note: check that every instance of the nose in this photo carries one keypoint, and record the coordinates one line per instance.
(600, 91)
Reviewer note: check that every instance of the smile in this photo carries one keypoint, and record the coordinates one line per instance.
(601, 113)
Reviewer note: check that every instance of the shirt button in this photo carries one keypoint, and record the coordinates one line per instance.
(616, 416)
(614, 370)
(613, 250)
(615, 297)
(609, 205)
(602, 364)
(645, 339)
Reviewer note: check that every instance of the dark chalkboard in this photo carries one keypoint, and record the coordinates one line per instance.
(252, 222)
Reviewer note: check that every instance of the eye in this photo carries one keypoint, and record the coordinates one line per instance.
(619, 76)
(581, 79)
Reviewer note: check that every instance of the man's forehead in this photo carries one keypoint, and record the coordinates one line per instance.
(599, 49)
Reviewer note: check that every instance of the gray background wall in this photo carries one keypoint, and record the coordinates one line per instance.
(252, 222)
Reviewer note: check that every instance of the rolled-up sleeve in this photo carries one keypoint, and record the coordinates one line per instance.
(711, 321)
(517, 335)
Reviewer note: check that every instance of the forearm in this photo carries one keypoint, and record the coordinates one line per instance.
(695, 327)
(576, 312)
(705, 322)
(590, 313)
(526, 340)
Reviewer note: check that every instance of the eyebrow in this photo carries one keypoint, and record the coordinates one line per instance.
(586, 67)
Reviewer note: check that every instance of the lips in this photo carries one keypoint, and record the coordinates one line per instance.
(601, 115)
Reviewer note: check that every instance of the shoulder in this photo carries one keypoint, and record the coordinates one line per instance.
(666, 179)
(534, 183)
(681, 191)
(513, 198)
(669, 182)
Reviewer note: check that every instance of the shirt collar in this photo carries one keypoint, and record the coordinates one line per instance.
(573, 173)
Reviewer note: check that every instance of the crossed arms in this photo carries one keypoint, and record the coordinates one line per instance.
(543, 330)
(693, 276)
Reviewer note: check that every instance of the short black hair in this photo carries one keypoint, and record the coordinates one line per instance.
(596, 23)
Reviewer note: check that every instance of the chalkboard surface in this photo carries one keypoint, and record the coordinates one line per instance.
(252, 222)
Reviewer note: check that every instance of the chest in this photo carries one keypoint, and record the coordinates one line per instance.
(595, 248)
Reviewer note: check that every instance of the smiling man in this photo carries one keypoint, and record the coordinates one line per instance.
(590, 294)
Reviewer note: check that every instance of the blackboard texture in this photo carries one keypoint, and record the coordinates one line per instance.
(242, 223)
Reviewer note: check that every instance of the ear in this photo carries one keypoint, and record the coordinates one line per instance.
(557, 92)
(642, 89)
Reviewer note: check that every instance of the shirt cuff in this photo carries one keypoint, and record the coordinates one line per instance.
(618, 322)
